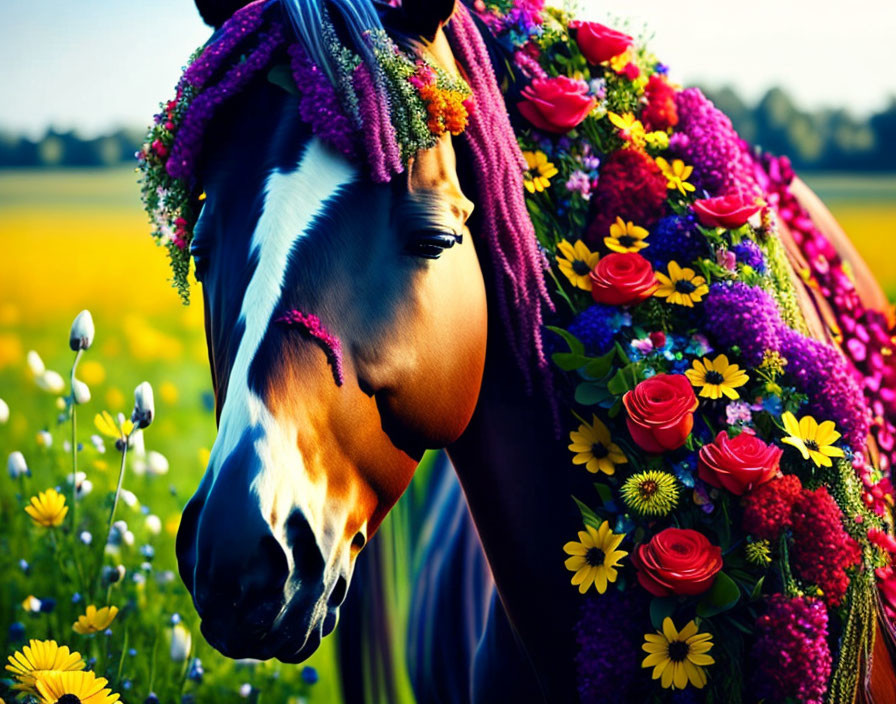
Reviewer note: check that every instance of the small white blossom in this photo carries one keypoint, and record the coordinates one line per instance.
(144, 406)
(86, 537)
(51, 382)
(245, 690)
(82, 332)
(153, 524)
(156, 463)
(129, 497)
(98, 444)
(44, 439)
(35, 364)
(181, 643)
(32, 604)
(81, 392)
(16, 465)
(4, 412)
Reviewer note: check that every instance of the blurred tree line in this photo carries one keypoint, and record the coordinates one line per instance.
(822, 140)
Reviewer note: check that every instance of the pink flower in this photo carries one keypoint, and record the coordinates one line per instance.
(557, 104)
(598, 42)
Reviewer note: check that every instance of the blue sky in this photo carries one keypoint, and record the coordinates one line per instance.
(95, 64)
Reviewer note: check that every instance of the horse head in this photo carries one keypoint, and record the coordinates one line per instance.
(346, 323)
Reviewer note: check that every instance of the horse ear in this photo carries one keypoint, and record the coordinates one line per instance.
(424, 17)
(217, 12)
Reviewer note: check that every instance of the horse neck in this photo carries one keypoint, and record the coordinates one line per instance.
(518, 479)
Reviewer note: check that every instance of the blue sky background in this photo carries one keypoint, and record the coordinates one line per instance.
(97, 64)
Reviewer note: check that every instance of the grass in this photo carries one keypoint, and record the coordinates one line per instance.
(78, 239)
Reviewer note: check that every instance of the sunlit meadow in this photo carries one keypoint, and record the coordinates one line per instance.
(77, 240)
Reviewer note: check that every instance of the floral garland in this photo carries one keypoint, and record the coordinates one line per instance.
(386, 109)
(739, 519)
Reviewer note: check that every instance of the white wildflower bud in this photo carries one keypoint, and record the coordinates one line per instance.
(76, 478)
(245, 690)
(44, 439)
(51, 382)
(81, 335)
(144, 408)
(81, 391)
(17, 466)
(181, 643)
(156, 463)
(35, 364)
(85, 537)
(98, 443)
(4, 412)
(84, 488)
(153, 524)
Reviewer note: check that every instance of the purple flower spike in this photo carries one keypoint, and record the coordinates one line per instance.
(312, 325)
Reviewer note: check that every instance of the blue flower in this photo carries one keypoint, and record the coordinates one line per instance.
(675, 238)
(196, 670)
(47, 605)
(309, 675)
(595, 327)
(16, 632)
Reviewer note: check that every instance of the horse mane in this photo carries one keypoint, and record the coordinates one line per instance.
(255, 38)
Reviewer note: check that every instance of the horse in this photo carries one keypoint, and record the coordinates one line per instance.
(351, 326)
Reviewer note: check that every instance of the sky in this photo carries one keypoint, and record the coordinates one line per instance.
(97, 64)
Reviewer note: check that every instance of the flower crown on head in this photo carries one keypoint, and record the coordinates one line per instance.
(386, 108)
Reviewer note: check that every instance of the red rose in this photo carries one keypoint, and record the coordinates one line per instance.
(677, 561)
(621, 279)
(661, 412)
(738, 464)
(598, 42)
(556, 104)
(729, 211)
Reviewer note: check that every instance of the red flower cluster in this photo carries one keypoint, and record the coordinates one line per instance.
(822, 549)
(660, 112)
(631, 187)
(767, 509)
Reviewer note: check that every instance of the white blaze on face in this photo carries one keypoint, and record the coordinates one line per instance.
(292, 202)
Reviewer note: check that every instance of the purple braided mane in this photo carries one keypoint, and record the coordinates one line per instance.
(311, 324)
(499, 173)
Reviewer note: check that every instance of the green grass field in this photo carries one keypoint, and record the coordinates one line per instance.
(78, 239)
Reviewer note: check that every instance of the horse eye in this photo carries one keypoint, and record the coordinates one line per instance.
(429, 244)
(199, 252)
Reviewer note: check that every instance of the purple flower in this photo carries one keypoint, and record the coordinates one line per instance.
(706, 140)
(749, 254)
(791, 654)
(738, 315)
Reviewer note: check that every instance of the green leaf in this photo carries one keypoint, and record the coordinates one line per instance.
(281, 75)
(590, 394)
(598, 368)
(723, 595)
(624, 380)
(661, 607)
(575, 346)
(757, 590)
(606, 495)
(568, 361)
(589, 516)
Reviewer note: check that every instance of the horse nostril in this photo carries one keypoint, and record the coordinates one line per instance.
(309, 561)
(337, 596)
(358, 542)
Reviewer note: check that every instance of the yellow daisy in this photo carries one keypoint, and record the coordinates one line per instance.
(626, 237)
(38, 657)
(540, 172)
(69, 687)
(629, 127)
(95, 620)
(682, 286)
(716, 377)
(47, 509)
(576, 262)
(594, 558)
(106, 424)
(678, 657)
(594, 448)
(814, 440)
(677, 174)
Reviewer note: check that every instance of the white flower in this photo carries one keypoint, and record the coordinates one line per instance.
(156, 463)
(119, 534)
(153, 524)
(129, 497)
(16, 465)
(245, 690)
(44, 439)
(4, 412)
(35, 364)
(98, 444)
(76, 478)
(86, 537)
(32, 604)
(51, 382)
(83, 486)
(81, 391)
(144, 407)
(181, 643)
(82, 332)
